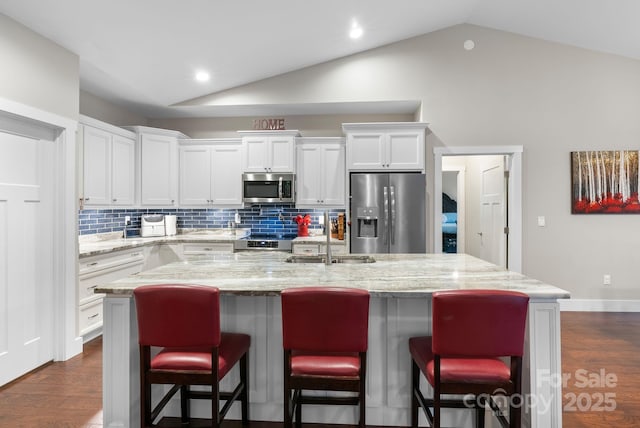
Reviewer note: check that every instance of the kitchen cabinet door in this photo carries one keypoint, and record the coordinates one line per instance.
(123, 152)
(195, 175)
(256, 154)
(97, 166)
(308, 184)
(405, 150)
(158, 170)
(333, 175)
(321, 172)
(281, 152)
(366, 150)
(226, 174)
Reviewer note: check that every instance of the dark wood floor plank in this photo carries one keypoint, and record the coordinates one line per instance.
(592, 342)
(69, 394)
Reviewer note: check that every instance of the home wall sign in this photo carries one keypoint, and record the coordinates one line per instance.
(272, 124)
(605, 182)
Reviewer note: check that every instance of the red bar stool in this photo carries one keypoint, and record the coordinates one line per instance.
(324, 335)
(184, 320)
(471, 330)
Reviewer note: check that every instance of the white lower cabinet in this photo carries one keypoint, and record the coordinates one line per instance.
(315, 249)
(96, 271)
(202, 248)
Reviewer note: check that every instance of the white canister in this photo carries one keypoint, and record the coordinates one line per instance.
(170, 222)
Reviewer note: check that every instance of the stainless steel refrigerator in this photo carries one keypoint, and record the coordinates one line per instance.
(388, 213)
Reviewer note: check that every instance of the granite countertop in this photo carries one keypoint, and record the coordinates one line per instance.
(91, 245)
(392, 275)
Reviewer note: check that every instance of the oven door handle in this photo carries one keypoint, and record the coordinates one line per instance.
(280, 188)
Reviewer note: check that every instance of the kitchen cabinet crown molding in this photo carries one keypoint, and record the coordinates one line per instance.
(386, 126)
(320, 140)
(292, 132)
(208, 141)
(157, 131)
(89, 121)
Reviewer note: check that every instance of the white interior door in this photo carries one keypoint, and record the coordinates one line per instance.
(26, 267)
(493, 215)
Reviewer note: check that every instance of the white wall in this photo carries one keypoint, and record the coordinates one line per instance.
(450, 184)
(509, 90)
(37, 72)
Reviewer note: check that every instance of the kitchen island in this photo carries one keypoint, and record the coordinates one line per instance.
(400, 285)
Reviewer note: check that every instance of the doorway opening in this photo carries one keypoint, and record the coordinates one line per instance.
(485, 218)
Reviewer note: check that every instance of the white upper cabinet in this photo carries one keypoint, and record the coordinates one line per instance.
(389, 146)
(321, 172)
(211, 172)
(108, 164)
(158, 166)
(123, 154)
(268, 151)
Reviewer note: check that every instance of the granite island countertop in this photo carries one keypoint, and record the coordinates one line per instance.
(392, 275)
(91, 245)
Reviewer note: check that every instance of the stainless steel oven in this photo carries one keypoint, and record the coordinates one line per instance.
(268, 188)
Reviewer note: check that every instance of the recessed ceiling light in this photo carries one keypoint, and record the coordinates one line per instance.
(469, 44)
(356, 31)
(202, 76)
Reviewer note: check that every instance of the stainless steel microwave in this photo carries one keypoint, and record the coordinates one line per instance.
(268, 188)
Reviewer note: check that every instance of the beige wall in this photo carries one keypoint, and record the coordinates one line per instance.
(309, 126)
(37, 72)
(97, 108)
(509, 90)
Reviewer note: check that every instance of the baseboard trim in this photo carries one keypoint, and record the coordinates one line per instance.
(599, 305)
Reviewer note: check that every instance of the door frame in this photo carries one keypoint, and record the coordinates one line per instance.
(514, 195)
(461, 239)
(29, 121)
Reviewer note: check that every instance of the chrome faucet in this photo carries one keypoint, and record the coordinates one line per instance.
(327, 231)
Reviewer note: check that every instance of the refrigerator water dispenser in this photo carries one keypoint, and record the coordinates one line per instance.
(367, 218)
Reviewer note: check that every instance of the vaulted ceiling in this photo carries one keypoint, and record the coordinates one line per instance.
(143, 54)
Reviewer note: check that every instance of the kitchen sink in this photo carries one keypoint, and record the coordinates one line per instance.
(341, 258)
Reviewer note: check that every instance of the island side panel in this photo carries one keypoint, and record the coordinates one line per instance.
(542, 374)
(121, 364)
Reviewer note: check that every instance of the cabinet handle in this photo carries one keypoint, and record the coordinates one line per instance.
(86, 199)
(135, 254)
(92, 264)
(114, 200)
(208, 249)
(93, 316)
(173, 200)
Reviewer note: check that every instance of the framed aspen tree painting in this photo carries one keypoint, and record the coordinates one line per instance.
(604, 182)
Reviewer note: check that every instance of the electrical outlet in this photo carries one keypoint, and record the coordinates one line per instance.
(606, 279)
(127, 220)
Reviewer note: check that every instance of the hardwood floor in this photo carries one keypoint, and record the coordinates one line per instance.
(59, 395)
(605, 347)
(69, 394)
